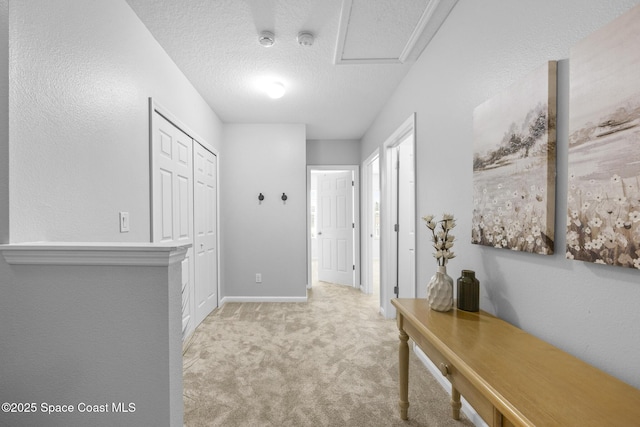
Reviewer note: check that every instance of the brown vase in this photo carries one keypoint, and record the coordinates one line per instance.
(468, 291)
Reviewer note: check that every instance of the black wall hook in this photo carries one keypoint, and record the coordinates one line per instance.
(284, 197)
(261, 197)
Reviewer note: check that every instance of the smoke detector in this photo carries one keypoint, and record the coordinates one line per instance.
(305, 39)
(266, 39)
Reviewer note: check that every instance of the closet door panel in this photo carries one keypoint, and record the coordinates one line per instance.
(172, 200)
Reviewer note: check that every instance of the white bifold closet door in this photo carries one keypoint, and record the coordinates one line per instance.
(205, 246)
(172, 199)
(184, 199)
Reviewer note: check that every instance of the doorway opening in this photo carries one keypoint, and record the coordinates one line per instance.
(333, 250)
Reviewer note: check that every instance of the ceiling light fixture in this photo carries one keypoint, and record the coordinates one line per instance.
(275, 90)
(266, 39)
(305, 39)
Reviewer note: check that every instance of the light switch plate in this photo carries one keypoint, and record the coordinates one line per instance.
(124, 222)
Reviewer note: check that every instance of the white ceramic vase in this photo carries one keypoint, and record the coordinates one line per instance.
(440, 290)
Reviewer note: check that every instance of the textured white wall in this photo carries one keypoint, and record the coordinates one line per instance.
(588, 310)
(4, 121)
(267, 238)
(81, 74)
(333, 152)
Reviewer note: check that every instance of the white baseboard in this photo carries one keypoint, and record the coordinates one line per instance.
(468, 410)
(262, 299)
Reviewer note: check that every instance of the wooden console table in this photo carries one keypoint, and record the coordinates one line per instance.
(509, 376)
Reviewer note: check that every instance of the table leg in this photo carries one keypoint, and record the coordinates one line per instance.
(455, 403)
(404, 374)
(497, 418)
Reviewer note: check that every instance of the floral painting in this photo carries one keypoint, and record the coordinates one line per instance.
(603, 200)
(514, 137)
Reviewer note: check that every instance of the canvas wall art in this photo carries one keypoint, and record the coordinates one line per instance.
(514, 160)
(603, 197)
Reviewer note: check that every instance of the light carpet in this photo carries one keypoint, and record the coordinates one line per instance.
(332, 361)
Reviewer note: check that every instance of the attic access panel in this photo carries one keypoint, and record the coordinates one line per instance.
(387, 31)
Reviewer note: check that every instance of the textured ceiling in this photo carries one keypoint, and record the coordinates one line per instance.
(215, 44)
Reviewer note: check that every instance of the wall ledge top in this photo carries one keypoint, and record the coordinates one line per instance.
(94, 253)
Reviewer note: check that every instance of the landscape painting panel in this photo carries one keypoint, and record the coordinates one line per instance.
(603, 198)
(514, 159)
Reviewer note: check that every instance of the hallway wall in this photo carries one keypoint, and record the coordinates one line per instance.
(333, 152)
(269, 237)
(4, 121)
(81, 74)
(586, 309)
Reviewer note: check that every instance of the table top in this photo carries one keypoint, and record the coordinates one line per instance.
(528, 380)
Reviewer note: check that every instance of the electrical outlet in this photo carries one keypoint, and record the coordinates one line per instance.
(124, 222)
(258, 278)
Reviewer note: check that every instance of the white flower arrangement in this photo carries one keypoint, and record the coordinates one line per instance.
(442, 240)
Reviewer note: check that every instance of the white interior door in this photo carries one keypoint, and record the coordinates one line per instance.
(172, 187)
(335, 227)
(390, 177)
(205, 246)
(406, 220)
(394, 209)
(371, 237)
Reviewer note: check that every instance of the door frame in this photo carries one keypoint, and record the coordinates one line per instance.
(155, 106)
(367, 214)
(388, 261)
(355, 169)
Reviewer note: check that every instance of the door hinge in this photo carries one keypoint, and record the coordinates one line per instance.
(354, 267)
(395, 290)
(353, 183)
(396, 227)
(353, 225)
